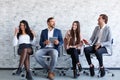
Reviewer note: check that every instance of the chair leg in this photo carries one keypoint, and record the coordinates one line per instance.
(109, 72)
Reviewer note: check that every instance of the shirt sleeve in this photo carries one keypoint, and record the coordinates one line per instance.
(33, 42)
(15, 41)
(66, 39)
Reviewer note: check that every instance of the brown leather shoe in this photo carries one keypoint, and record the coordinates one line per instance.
(51, 75)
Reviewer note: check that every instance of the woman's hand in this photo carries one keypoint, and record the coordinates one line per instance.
(72, 46)
(33, 32)
(16, 31)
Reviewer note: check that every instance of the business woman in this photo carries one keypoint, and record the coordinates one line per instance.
(24, 37)
(73, 44)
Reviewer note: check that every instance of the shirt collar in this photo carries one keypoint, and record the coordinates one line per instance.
(51, 30)
(103, 26)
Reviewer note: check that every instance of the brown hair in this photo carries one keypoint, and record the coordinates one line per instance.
(77, 32)
(50, 18)
(105, 17)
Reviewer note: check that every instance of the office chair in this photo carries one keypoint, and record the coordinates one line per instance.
(106, 69)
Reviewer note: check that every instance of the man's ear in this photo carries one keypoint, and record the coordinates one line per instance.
(104, 20)
(47, 23)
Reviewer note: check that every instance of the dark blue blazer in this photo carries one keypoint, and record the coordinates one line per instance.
(44, 36)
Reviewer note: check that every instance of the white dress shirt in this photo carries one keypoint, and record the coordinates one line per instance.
(100, 34)
(23, 39)
(50, 34)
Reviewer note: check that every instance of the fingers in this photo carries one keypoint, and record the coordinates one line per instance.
(16, 31)
(97, 47)
(56, 42)
(33, 32)
(47, 42)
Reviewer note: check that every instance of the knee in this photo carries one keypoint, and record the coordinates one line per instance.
(30, 51)
(55, 53)
(86, 49)
(36, 55)
(74, 50)
(25, 50)
(98, 52)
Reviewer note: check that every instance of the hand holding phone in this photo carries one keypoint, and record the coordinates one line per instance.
(46, 42)
(56, 42)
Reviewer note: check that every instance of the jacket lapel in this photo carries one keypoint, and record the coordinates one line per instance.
(104, 33)
(96, 37)
(54, 33)
(46, 33)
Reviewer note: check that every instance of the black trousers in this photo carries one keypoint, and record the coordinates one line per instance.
(91, 49)
(74, 56)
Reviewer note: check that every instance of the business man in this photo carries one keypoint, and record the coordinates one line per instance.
(50, 40)
(100, 43)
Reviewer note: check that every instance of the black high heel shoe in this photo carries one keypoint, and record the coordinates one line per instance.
(102, 72)
(29, 75)
(79, 67)
(75, 73)
(19, 70)
(92, 73)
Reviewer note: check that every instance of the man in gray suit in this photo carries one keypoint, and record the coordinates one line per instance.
(100, 42)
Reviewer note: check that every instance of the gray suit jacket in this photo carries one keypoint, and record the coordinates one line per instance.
(106, 39)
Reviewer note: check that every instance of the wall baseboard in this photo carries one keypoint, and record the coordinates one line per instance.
(56, 68)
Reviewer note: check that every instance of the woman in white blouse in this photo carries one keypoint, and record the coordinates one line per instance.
(24, 37)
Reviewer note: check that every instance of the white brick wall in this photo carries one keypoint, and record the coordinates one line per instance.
(65, 12)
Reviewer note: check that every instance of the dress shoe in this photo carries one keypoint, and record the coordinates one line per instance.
(92, 73)
(102, 72)
(51, 75)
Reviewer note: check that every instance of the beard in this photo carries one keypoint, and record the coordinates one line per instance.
(98, 23)
(52, 26)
